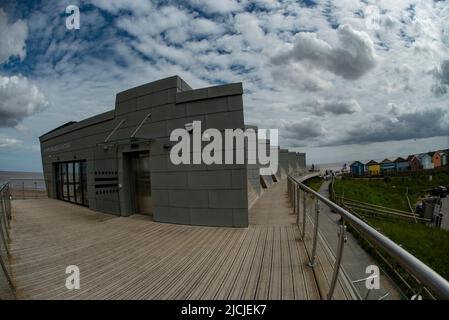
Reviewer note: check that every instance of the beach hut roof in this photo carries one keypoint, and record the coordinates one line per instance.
(372, 162)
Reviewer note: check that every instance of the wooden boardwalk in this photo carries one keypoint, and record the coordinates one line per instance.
(136, 258)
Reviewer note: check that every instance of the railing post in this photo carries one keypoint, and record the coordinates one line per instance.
(294, 199)
(338, 257)
(4, 237)
(297, 204)
(315, 234)
(304, 214)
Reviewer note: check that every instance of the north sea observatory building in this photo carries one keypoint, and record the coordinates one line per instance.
(118, 162)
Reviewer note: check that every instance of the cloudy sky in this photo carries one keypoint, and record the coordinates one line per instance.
(341, 80)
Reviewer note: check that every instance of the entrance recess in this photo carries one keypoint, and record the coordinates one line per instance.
(141, 182)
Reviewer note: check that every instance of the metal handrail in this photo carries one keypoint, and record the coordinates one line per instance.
(427, 276)
(24, 188)
(5, 217)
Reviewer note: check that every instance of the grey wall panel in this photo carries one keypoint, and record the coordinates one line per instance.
(155, 86)
(211, 217)
(95, 121)
(240, 217)
(284, 163)
(292, 162)
(228, 199)
(210, 180)
(188, 194)
(188, 198)
(192, 95)
(171, 214)
(169, 180)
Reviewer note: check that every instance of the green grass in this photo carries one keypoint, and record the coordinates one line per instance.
(428, 244)
(315, 183)
(390, 192)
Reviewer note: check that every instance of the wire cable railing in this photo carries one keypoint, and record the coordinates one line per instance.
(7, 288)
(429, 280)
(27, 188)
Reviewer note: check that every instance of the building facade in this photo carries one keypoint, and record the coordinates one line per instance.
(426, 161)
(401, 165)
(118, 162)
(387, 167)
(357, 168)
(436, 159)
(373, 168)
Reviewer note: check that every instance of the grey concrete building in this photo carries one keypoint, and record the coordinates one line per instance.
(253, 173)
(265, 180)
(118, 162)
(284, 167)
(302, 160)
(292, 159)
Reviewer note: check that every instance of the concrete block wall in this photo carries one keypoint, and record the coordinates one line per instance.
(214, 195)
(197, 194)
(267, 179)
(253, 178)
(302, 161)
(297, 163)
(292, 162)
(283, 163)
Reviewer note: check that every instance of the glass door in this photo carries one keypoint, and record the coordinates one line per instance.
(71, 182)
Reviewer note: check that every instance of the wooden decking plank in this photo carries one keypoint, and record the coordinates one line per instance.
(263, 283)
(250, 288)
(275, 291)
(137, 258)
(287, 291)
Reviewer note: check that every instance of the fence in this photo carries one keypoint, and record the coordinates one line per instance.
(430, 283)
(24, 188)
(6, 283)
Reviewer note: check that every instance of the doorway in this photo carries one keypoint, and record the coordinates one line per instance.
(140, 182)
(71, 182)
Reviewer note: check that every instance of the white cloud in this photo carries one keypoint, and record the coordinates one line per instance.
(18, 99)
(248, 25)
(7, 142)
(351, 59)
(324, 71)
(12, 38)
(222, 6)
(335, 106)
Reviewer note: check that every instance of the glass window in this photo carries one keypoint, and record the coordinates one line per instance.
(65, 186)
(71, 182)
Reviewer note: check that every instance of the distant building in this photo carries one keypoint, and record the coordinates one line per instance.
(401, 165)
(426, 161)
(373, 168)
(436, 159)
(413, 162)
(444, 158)
(357, 168)
(387, 167)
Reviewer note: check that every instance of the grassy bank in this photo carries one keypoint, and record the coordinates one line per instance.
(315, 183)
(428, 244)
(390, 192)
